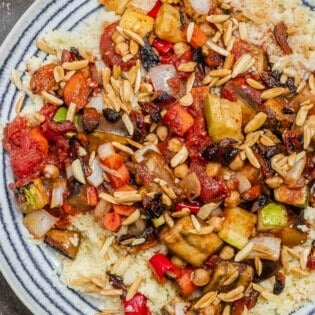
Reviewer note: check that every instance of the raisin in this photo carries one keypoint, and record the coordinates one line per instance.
(111, 115)
(148, 57)
(279, 283)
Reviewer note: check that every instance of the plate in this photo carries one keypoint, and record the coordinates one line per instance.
(31, 269)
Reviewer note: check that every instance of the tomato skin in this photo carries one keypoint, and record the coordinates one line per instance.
(43, 79)
(137, 305)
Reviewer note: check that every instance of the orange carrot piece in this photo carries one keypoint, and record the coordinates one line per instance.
(185, 284)
(112, 221)
(68, 209)
(198, 37)
(122, 180)
(126, 188)
(115, 161)
(124, 210)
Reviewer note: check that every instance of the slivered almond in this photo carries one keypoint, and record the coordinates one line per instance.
(224, 80)
(59, 73)
(210, 44)
(132, 218)
(302, 114)
(44, 47)
(19, 104)
(107, 197)
(298, 272)
(186, 100)
(243, 31)
(228, 62)
(75, 65)
(220, 73)
(168, 220)
(190, 31)
(244, 252)
(78, 171)
(187, 66)
(232, 295)
(206, 298)
(272, 93)
(251, 157)
(51, 98)
(254, 124)
(243, 64)
(217, 18)
(255, 84)
(228, 33)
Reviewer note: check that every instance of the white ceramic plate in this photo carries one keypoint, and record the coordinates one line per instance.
(30, 269)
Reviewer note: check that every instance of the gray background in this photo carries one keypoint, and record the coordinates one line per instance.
(10, 11)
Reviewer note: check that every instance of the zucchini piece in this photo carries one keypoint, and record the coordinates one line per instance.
(224, 118)
(237, 226)
(157, 222)
(61, 114)
(31, 197)
(65, 241)
(294, 197)
(272, 216)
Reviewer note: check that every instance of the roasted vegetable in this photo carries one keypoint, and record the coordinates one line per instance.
(294, 197)
(33, 196)
(228, 275)
(272, 216)
(65, 241)
(193, 248)
(114, 5)
(237, 226)
(224, 118)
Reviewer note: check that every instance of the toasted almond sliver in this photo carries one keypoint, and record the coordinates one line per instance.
(190, 31)
(106, 73)
(71, 111)
(224, 80)
(272, 93)
(190, 82)
(59, 73)
(243, 64)
(232, 295)
(19, 104)
(255, 84)
(78, 171)
(16, 79)
(210, 44)
(181, 213)
(133, 289)
(302, 114)
(168, 220)
(51, 98)
(107, 197)
(298, 272)
(218, 18)
(111, 292)
(251, 157)
(258, 265)
(228, 62)
(244, 252)
(132, 218)
(75, 65)
(228, 33)
(187, 66)
(242, 28)
(254, 124)
(180, 157)
(195, 223)
(43, 46)
(186, 100)
(220, 72)
(269, 296)
(208, 297)
(304, 257)
(122, 148)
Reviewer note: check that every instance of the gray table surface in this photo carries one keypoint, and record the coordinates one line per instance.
(10, 11)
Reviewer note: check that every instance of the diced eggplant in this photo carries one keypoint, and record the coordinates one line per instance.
(272, 216)
(33, 196)
(294, 197)
(65, 241)
(291, 237)
(224, 118)
(237, 226)
(228, 275)
(193, 248)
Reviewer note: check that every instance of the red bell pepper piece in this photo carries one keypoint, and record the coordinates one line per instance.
(160, 265)
(137, 305)
(155, 10)
(162, 46)
(311, 259)
(91, 196)
(193, 206)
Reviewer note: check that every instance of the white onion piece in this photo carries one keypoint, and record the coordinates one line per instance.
(191, 186)
(201, 6)
(181, 308)
(273, 244)
(97, 103)
(141, 152)
(69, 172)
(100, 65)
(244, 183)
(296, 171)
(159, 76)
(105, 150)
(145, 5)
(78, 171)
(96, 178)
(58, 189)
(39, 222)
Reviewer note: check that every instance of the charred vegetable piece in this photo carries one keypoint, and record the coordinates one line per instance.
(77, 196)
(90, 119)
(111, 115)
(294, 197)
(237, 226)
(193, 248)
(43, 79)
(272, 216)
(281, 36)
(33, 196)
(224, 118)
(279, 283)
(292, 237)
(65, 241)
(227, 275)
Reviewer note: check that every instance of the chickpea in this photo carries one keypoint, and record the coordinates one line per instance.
(180, 48)
(51, 171)
(216, 222)
(174, 145)
(200, 277)
(227, 253)
(233, 200)
(122, 49)
(152, 138)
(181, 171)
(162, 132)
(213, 169)
(237, 163)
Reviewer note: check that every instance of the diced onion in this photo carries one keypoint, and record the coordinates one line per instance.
(96, 178)
(145, 5)
(39, 222)
(58, 189)
(201, 6)
(180, 308)
(160, 75)
(244, 183)
(105, 150)
(97, 103)
(273, 244)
